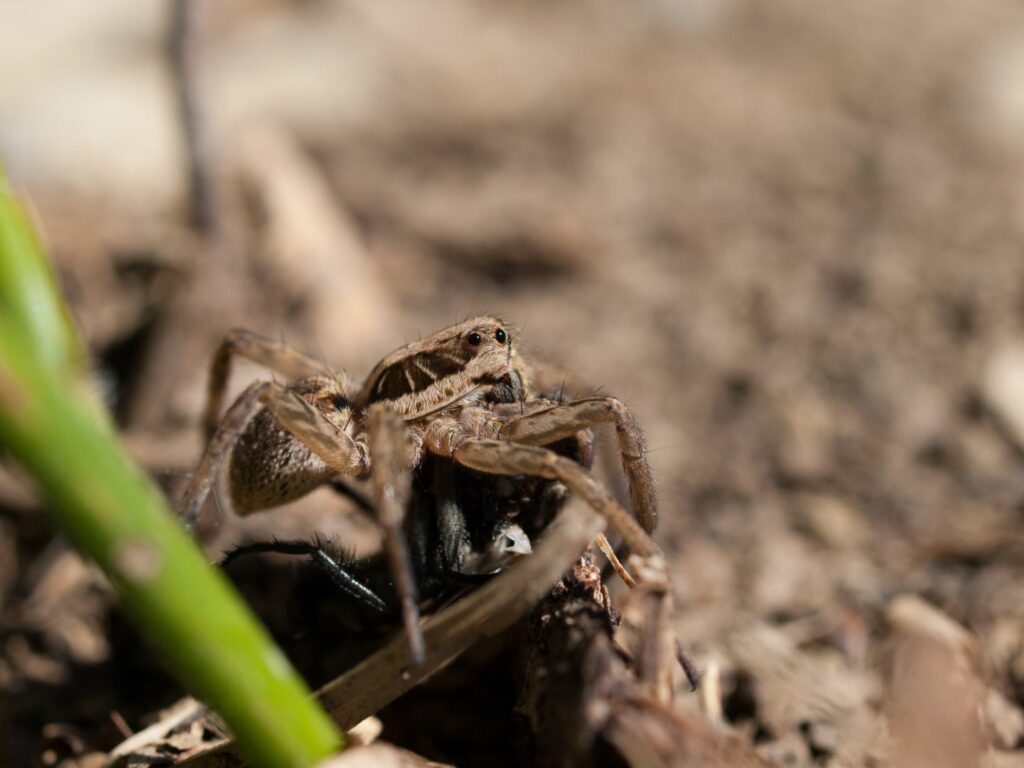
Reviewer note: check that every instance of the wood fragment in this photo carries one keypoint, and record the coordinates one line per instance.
(151, 743)
(311, 248)
(613, 560)
(182, 47)
(934, 693)
(711, 693)
(379, 755)
(583, 701)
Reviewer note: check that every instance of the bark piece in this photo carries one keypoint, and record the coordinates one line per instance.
(584, 701)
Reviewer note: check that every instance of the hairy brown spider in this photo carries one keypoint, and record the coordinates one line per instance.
(462, 396)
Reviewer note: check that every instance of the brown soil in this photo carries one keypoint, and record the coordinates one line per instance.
(786, 235)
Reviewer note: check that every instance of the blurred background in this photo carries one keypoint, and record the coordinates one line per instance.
(787, 235)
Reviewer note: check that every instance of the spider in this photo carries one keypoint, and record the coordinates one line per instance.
(460, 399)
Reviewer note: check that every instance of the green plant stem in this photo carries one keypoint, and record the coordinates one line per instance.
(50, 422)
(28, 291)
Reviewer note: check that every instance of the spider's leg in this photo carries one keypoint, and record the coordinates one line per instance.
(312, 428)
(270, 477)
(549, 425)
(503, 458)
(275, 355)
(386, 458)
(391, 454)
(555, 383)
(652, 594)
(226, 435)
(334, 565)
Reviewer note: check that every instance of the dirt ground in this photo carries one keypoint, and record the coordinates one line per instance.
(787, 235)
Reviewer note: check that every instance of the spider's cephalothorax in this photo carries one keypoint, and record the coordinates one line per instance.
(467, 364)
(454, 401)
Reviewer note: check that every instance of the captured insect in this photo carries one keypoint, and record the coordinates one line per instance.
(461, 411)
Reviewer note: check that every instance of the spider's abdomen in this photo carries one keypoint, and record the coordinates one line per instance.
(270, 466)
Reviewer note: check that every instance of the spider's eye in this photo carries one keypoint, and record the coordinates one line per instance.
(500, 335)
(474, 338)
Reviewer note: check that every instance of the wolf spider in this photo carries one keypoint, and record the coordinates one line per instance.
(462, 396)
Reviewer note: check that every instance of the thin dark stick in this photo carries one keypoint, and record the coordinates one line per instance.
(182, 44)
(692, 673)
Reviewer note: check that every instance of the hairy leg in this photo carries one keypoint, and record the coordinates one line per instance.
(652, 593)
(275, 355)
(560, 421)
(391, 454)
(504, 458)
(310, 426)
(217, 449)
(386, 458)
(262, 477)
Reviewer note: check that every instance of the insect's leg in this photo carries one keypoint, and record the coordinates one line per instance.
(502, 458)
(560, 421)
(334, 565)
(275, 355)
(219, 446)
(391, 454)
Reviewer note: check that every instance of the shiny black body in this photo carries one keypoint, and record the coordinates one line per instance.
(455, 515)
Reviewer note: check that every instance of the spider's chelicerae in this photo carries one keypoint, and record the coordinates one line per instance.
(462, 397)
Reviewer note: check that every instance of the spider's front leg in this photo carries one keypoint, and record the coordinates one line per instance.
(546, 426)
(263, 481)
(284, 446)
(386, 458)
(471, 441)
(653, 594)
(498, 457)
(392, 453)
